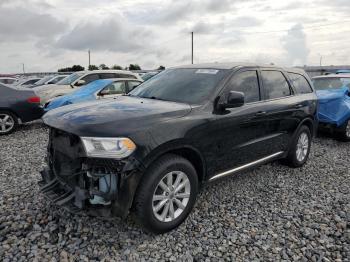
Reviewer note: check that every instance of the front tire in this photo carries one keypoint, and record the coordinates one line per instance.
(166, 194)
(8, 122)
(300, 148)
(343, 133)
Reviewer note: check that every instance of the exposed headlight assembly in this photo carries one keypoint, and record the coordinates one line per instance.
(116, 148)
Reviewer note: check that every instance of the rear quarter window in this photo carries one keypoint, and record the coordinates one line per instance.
(300, 83)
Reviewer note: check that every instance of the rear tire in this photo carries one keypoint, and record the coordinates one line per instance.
(166, 194)
(300, 148)
(8, 122)
(343, 132)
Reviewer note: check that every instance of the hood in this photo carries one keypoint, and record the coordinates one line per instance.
(43, 88)
(117, 117)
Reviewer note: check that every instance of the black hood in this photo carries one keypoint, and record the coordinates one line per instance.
(115, 117)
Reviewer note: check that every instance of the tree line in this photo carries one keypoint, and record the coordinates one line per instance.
(76, 68)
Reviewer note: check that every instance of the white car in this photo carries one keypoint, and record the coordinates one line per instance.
(76, 80)
(8, 80)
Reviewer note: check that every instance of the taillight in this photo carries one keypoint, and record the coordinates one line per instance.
(34, 99)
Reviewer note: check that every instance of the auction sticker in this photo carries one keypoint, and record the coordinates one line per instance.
(207, 71)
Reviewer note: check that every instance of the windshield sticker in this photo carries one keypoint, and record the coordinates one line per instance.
(207, 71)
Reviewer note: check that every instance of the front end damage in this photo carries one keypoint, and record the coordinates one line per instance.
(102, 187)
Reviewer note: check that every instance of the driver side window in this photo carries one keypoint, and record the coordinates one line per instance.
(247, 83)
(117, 88)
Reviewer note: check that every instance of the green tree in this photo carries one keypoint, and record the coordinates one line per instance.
(117, 67)
(93, 67)
(134, 67)
(103, 67)
(75, 68)
(161, 68)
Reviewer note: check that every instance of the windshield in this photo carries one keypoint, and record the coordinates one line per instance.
(192, 86)
(330, 83)
(70, 79)
(42, 81)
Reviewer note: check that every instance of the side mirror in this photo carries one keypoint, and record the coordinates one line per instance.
(234, 99)
(80, 83)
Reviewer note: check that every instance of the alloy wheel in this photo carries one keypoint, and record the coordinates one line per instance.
(171, 196)
(302, 147)
(6, 123)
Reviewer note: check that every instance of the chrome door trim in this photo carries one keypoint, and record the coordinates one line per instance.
(259, 161)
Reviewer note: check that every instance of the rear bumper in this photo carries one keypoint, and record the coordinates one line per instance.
(32, 114)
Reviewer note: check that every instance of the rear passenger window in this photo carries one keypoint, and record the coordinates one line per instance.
(247, 83)
(126, 76)
(300, 83)
(107, 76)
(90, 78)
(275, 84)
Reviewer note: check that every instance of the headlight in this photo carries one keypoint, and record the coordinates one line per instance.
(117, 148)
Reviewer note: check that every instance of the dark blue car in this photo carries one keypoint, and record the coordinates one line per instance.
(99, 89)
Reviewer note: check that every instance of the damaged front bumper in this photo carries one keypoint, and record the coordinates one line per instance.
(99, 187)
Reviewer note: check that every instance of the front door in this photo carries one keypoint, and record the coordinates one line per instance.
(242, 132)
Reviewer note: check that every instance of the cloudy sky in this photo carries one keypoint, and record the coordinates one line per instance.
(49, 34)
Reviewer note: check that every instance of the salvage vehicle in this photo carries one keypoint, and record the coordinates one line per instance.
(17, 106)
(149, 151)
(99, 89)
(77, 80)
(334, 104)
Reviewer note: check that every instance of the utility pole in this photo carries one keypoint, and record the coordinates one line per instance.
(192, 47)
(23, 68)
(89, 59)
(320, 60)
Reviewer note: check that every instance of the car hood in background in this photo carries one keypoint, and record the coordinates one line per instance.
(117, 117)
(334, 106)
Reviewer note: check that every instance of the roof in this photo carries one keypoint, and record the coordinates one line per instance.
(237, 64)
(333, 76)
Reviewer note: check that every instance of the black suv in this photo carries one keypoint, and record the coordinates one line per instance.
(149, 151)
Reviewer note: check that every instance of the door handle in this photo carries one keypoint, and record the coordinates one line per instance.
(260, 113)
(298, 106)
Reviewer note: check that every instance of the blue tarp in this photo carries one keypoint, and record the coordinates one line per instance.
(334, 106)
(83, 94)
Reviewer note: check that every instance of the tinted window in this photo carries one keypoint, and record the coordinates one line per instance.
(275, 84)
(90, 78)
(247, 83)
(107, 76)
(182, 85)
(115, 88)
(133, 84)
(330, 83)
(300, 83)
(126, 76)
(30, 82)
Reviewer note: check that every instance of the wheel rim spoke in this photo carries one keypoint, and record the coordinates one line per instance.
(171, 196)
(6, 123)
(302, 147)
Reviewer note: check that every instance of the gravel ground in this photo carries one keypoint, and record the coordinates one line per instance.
(271, 213)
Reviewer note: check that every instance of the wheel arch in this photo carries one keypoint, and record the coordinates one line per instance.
(183, 149)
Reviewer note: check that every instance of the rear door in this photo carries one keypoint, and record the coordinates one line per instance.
(281, 108)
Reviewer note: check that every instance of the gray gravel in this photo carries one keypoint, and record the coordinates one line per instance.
(271, 213)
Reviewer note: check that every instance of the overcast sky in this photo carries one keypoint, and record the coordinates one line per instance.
(48, 34)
